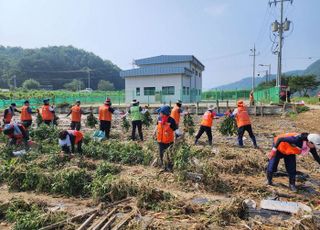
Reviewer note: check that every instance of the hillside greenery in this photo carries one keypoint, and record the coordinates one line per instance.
(55, 66)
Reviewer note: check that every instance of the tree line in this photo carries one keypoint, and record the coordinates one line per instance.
(57, 67)
(303, 85)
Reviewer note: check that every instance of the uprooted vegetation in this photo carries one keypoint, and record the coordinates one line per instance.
(114, 170)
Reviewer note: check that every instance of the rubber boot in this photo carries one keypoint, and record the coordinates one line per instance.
(254, 142)
(292, 184)
(269, 178)
(196, 141)
(210, 143)
(240, 142)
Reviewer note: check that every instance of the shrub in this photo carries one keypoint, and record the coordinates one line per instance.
(106, 168)
(71, 182)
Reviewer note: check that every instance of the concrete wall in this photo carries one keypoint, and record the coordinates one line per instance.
(131, 83)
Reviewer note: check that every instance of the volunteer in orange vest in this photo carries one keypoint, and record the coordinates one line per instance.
(9, 113)
(251, 98)
(47, 112)
(26, 115)
(206, 123)
(165, 131)
(105, 117)
(287, 146)
(176, 112)
(16, 133)
(68, 139)
(76, 112)
(244, 124)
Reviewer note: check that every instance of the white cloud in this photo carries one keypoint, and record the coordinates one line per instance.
(216, 9)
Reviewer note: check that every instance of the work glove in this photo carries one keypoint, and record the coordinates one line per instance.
(272, 153)
(178, 132)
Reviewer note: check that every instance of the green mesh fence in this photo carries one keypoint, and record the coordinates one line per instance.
(270, 95)
(225, 95)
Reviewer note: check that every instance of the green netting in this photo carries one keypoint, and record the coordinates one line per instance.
(225, 95)
(270, 95)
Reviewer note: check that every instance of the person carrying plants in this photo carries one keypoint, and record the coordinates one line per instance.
(206, 123)
(243, 123)
(165, 130)
(105, 117)
(17, 134)
(68, 139)
(76, 112)
(136, 119)
(287, 146)
(26, 114)
(9, 113)
(47, 112)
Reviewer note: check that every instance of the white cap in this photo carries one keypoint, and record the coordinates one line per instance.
(315, 139)
(211, 107)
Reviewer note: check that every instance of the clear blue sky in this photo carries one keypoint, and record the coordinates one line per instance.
(219, 33)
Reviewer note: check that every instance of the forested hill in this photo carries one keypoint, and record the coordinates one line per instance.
(55, 66)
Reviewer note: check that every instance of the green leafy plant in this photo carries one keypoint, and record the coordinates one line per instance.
(228, 126)
(91, 121)
(188, 124)
(125, 124)
(147, 119)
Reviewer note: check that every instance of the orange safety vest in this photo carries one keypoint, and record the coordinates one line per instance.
(46, 114)
(165, 134)
(104, 113)
(77, 134)
(286, 148)
(207, 119)
(76, 113)
(242, 117)
(8, 117)
(175, 114)
(25, 115)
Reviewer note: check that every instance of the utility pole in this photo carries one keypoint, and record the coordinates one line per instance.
(268, 75)
(89, 78)
(14, 81)
(254, 54)
(280, 28)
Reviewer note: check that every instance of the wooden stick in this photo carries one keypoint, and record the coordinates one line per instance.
(107, 225)
(61, 223)
(125, 220)
(84, 225)
(100, 224)
(117, 202)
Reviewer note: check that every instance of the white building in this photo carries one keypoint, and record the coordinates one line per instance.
(164, 78)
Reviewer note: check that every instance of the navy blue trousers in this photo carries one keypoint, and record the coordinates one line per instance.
(289, 161)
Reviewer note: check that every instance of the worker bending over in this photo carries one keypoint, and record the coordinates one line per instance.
(68, 139)
(17, 134)
(287, 146)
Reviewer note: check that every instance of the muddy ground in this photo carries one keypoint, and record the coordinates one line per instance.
(196, 203)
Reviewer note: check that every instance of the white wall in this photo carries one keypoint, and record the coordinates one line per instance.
(131, 83)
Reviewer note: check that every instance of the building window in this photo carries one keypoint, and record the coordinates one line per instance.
(199, 92)
(168, 90)
(149, 91)
(200, 74)
(196, 73)
(193, 70)
(188, 90)
(184, 90)
(137, 91)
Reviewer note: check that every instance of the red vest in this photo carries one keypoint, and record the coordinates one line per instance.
(207, 119)
(242, 117)
(76, 113)
(25, 115)
(175, 114)
(104, 113)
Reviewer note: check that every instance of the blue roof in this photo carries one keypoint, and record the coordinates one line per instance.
(155, 70)
(163, 59)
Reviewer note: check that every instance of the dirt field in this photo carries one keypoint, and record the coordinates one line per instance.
(212, 202)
